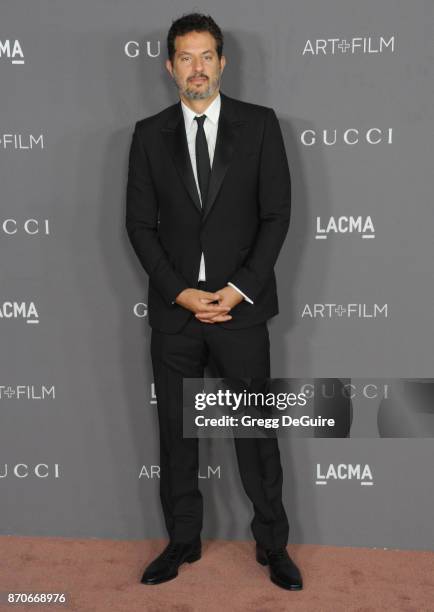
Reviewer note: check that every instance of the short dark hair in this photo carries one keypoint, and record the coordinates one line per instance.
(193, 22)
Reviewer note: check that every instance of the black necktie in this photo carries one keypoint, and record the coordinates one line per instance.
(203, 164)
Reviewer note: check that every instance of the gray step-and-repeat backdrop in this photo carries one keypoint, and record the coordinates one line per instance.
(352, 84)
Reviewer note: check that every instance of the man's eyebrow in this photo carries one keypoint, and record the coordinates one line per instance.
(189, 52)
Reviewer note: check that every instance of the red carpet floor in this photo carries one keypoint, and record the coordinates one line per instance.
(104, 575)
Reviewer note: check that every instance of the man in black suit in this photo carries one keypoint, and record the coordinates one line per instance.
(208, 209)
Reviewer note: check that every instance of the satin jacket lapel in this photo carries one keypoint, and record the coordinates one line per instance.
(176, 141)
(228, 132)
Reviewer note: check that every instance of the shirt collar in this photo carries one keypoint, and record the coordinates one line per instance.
(212, 112)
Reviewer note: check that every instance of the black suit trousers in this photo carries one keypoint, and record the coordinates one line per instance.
(243, 353)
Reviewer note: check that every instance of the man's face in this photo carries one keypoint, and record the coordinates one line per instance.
(196, 66)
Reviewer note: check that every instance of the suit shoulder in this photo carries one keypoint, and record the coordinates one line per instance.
(156, 120)
(250, 108)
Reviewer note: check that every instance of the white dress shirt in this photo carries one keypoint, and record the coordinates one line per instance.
(210, 126)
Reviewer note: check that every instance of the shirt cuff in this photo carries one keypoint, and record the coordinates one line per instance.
(243, 294)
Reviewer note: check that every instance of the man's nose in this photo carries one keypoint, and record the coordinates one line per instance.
(197, 66)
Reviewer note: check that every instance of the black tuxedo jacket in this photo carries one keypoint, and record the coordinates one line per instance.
(241, 227)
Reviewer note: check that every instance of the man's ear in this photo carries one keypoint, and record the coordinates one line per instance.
(222, 63)
(169, 67)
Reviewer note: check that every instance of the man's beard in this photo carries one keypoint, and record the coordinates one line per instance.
(197, 94)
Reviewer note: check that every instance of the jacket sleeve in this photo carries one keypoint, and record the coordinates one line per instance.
(274, 198)
(142, 224)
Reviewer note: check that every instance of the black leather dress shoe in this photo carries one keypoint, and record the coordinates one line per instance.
(283, 570)
(165, 566)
